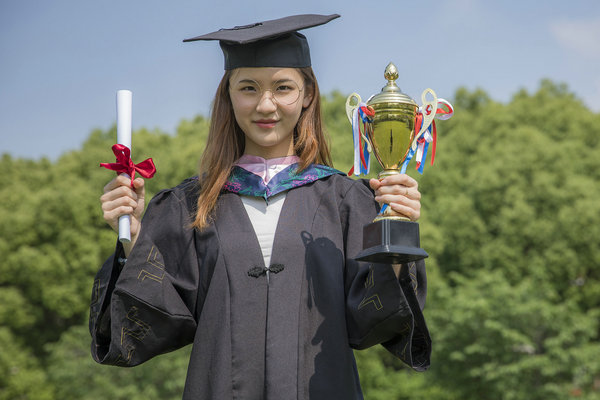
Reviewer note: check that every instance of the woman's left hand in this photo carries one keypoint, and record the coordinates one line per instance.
(401, 192)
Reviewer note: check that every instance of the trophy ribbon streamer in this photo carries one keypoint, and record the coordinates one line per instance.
(362, 145)
(125, 165)
(444, 111)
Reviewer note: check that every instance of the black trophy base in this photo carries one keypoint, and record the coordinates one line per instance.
(391, 242)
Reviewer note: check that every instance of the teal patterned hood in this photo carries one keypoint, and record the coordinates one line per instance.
(246, 183)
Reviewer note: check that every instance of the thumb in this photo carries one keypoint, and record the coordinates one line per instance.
(138, 185)
(374, 183)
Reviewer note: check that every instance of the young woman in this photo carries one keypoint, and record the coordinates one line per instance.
(252, 261)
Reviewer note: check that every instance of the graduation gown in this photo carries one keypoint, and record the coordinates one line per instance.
(288, 334)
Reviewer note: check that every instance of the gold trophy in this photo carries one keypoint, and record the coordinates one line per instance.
(392, 238)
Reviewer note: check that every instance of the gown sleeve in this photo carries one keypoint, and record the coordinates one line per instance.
(381, 308)
(147, 306)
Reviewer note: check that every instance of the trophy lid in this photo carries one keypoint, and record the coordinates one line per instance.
(391, 93)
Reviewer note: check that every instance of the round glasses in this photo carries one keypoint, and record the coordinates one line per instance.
(285, 92)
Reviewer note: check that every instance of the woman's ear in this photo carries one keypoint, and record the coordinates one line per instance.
(307, 97)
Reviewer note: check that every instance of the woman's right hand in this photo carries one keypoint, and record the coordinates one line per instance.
(120, 198)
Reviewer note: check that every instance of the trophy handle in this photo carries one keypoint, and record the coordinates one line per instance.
(350, 106)
(427, 118)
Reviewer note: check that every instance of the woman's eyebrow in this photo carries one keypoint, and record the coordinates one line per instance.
(284, 80)
(252, 81)
(246, 81)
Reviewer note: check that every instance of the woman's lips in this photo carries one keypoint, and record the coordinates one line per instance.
(265, 123)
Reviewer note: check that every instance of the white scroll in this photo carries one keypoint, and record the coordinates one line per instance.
(124, 137)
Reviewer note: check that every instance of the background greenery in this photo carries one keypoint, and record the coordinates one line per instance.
(511, 220)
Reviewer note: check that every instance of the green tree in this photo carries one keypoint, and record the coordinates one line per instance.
(76, 376)
(511, 211)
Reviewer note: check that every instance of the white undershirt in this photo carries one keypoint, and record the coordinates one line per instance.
(264, 217)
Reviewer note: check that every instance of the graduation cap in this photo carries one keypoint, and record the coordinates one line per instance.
(274, 43)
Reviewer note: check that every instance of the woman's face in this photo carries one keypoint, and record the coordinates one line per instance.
(267, 103)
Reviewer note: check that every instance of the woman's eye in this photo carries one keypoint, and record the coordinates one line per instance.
(247, 89)
(284, 88)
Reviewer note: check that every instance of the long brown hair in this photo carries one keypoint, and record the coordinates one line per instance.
(226, 141)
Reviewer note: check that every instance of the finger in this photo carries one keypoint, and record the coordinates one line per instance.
(138, 184)
(399, 179)
(406, 211)
(119, 180)
(119, 191)
(111, 185)
(393, 189)
(399, 190)
(140, 190)
(403, 200)
(113, 215)
(120, 203)
(112, 210)
(112, 219)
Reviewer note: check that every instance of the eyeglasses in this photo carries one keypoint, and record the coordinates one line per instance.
(285, 92)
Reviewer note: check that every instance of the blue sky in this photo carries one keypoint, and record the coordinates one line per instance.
(61, 62)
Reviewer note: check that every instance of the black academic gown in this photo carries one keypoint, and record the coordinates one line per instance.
(286, 336)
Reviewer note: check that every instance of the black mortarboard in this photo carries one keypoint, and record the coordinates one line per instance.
(274, 43)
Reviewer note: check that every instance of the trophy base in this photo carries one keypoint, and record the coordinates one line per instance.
(389, 241)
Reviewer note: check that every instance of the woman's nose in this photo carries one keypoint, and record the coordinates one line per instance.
(266, 103)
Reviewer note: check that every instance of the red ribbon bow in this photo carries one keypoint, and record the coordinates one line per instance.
(125, 165)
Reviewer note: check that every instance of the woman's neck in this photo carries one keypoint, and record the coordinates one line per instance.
(283, 149)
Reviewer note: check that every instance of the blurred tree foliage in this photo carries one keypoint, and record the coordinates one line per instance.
(511, 220)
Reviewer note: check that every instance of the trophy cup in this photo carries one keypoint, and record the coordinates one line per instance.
(390, 134)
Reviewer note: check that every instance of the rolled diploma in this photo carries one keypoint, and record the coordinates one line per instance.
(124, 138)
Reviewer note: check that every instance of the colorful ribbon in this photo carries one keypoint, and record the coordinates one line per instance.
(125, 165)
(444, 111)
(362, 146)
